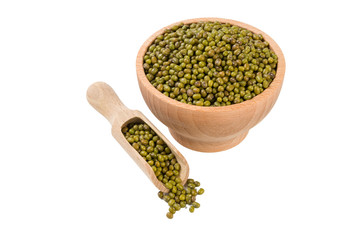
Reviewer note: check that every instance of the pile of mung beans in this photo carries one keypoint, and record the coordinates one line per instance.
(210, 64)
(165, 166)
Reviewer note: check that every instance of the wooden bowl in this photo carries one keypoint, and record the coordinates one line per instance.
(210, 129)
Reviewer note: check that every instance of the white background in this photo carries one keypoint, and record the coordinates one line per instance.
(63, 176)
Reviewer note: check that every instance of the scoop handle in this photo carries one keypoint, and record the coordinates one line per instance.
(104, 99)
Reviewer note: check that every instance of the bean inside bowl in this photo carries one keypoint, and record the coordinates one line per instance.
(210, 63)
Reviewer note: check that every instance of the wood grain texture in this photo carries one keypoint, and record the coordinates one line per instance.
(210, 129)
(103, 98)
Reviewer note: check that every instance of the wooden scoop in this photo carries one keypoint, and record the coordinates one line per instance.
(103, 98)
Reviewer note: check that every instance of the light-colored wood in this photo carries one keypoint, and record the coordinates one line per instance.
(103, 98)
(210, 129)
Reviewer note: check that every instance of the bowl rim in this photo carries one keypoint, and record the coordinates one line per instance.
(273, 87)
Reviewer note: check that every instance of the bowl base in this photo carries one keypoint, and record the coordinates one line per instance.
(203, 146)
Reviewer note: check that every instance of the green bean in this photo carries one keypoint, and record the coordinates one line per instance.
(164, 164)
(201, 64)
